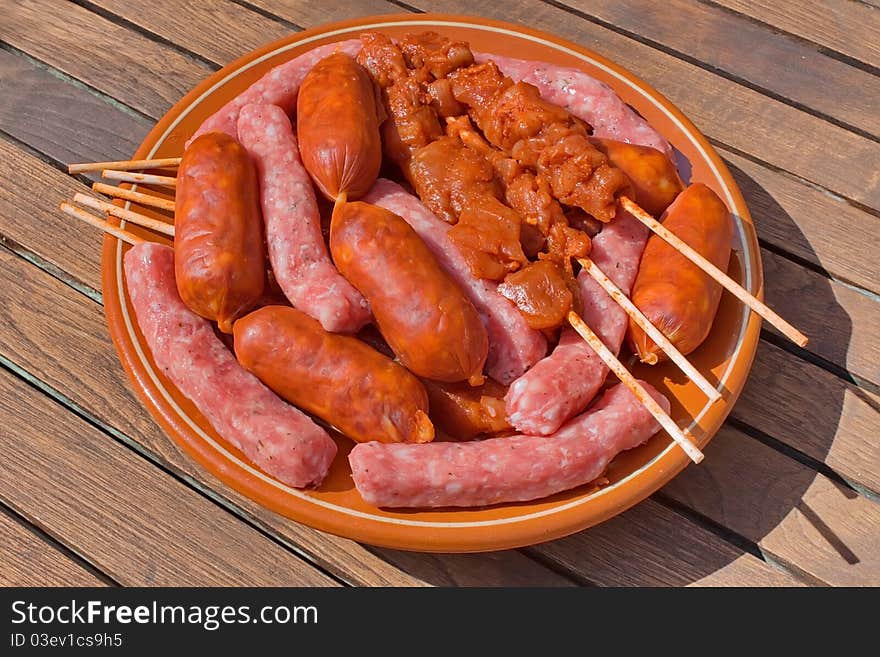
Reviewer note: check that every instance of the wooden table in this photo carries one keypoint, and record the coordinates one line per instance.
(93, 492)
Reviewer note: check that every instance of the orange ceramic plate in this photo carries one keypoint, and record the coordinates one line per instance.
(336, 507)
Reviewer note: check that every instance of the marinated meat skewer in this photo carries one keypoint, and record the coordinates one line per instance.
(542, 136)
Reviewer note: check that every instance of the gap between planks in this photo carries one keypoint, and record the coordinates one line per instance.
(53, 544)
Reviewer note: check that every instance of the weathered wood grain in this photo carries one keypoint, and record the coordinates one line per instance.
(816, 412)
(137, 71)
(851, 28)
(29, 199)
(843, 325)
(219, 31)
(509, 566)
(61, 120)
(780, 64)
(310, 14)
(797, 517)
(649, 545)
(28, 560)
(730, 113)
(134, 522)
(809, 222)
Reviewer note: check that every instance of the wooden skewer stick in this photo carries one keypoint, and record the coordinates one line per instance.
(731, 285)
(106, 226)
(143, 178)
(124, 165)
(639, 318)
(130, 195)
(122, 213)
(634, 386)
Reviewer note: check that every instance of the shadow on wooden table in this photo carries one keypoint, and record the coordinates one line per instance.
(744, 490)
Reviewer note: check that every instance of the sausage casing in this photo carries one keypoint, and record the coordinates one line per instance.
(422, 313)
(337, 123)
(654, 179)
(340, 379)
(678, 297)
(219, 261)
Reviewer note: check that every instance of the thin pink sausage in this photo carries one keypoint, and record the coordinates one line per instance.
(497, 470)
(585, 97)
(278, 87)
(513, 346)
(562, 384)
(297, 251)
(278, 438)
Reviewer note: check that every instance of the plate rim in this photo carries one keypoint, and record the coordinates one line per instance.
(446, 538)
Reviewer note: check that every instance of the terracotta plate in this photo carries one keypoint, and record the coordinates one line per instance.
(336, 506)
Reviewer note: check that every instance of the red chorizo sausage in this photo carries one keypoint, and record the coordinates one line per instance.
(279, 86)
(219, 261)
(653, 176)
(513, 346)
(340, 379)
(676, 295)
(337, 124)
(424, 316)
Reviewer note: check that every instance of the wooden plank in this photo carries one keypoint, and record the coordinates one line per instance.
(29, 199)
(649, 545)
(48, 354)
(508, 568)
(218, 31)
(851, 28)
(730, 113)
(128, 66)
(778, 63)
(60, 119)
(310, 14)
(797, 517)
(817, 413)
(28, 560)
(843, 325)
(809, 222)
(133, 521)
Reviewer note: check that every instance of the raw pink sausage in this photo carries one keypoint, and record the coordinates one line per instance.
(279, 86)
(562, 384)
(513, 346)
(585, 97)
(512, 469)
(297, 251)
(278, 438)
